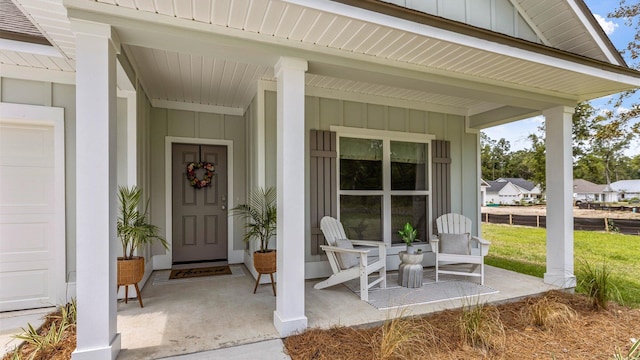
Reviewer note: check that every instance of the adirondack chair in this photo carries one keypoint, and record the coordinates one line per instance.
(343, 258)
(455, 245)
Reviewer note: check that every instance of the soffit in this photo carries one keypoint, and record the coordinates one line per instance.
(199, 78)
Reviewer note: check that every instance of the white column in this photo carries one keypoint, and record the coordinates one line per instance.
(96, 48)
(559, 179)
(289, 314)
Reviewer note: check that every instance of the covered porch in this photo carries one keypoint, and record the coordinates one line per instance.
(220, 311)
(256, 78)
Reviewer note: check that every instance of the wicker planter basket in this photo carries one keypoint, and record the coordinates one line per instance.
(265, 262)
(130, 271)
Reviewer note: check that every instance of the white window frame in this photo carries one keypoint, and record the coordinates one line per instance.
(386, 192)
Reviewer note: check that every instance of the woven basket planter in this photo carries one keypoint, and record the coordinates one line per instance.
(130, 271)
(265, 262)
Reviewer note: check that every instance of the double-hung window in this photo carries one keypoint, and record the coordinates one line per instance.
(384, 182)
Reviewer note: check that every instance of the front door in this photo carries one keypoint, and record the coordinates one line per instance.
(199, 215)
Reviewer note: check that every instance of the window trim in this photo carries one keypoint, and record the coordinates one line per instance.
(386, 192)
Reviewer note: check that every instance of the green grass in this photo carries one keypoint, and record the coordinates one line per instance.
(523, 249)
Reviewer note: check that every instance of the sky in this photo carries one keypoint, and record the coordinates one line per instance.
(620, 34)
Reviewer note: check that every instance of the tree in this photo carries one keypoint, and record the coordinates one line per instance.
(630, 14)
(494, 157)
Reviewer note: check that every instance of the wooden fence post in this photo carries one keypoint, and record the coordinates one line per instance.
(606, 224)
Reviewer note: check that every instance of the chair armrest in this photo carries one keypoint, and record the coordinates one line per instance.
(481, 241)
(483, 244)
(369, 243)
(343, 250)
(434, 242)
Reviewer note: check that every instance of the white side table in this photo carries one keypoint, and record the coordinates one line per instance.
(410, 270)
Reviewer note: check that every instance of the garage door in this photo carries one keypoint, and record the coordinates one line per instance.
(31, 251)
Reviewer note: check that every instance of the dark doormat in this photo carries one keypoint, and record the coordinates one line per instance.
(199, 272)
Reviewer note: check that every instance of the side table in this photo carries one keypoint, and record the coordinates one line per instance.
(410, 270)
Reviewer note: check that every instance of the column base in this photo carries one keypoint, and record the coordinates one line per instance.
(289, 327)
(562, 280)
(107, 353)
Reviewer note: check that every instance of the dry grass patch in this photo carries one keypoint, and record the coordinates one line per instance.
(589, 334)
(481, 327)
(548, 312)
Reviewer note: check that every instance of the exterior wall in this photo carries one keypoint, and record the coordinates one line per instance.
(497, 15)
(195, 125)
(507, 195)
(55, 95)
(321, 113)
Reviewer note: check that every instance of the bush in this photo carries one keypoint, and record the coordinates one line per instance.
(481, 327)
(597, 283)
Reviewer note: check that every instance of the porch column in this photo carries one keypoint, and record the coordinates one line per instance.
(289, 314)
(559, 176)
(96, 48)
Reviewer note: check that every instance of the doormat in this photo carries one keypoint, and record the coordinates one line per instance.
(200, 272)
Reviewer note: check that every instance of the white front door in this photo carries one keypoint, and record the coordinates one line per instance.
(31, 250)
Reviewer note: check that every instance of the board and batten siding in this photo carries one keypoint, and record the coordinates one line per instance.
(323, 183)
(321, 113)
(497, 15)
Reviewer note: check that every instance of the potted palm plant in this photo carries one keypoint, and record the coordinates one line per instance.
(134, 231)
(260, 215)
(408, 235)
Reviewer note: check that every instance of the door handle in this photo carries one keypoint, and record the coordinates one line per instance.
(224, 207)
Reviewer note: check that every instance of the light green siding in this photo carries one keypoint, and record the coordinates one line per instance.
(497, 15)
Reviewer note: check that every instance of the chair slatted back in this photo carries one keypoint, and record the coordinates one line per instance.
(332, 230)
(453, 224)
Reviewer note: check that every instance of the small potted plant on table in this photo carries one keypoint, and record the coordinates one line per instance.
(408, 235)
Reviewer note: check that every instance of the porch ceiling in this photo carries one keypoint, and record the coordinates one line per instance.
(213, 52)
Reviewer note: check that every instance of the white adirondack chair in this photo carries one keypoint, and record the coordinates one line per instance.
(448, 224)
(342, 255)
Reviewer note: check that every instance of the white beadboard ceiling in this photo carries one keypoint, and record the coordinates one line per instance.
(179, 72)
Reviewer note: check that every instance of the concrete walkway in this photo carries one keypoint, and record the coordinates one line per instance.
(264, 350)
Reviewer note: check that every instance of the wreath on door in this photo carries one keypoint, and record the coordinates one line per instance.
(208, 174)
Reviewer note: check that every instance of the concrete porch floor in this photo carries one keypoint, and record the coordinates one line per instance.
(184, 317)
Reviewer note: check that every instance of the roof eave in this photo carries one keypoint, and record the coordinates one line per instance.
(484, 34)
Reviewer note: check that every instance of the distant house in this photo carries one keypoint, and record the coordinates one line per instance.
(483, 192)
(584, 190)
(526, 187)
(510, 191)
(627, 189)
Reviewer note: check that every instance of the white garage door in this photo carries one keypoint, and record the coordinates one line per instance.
(31, 258)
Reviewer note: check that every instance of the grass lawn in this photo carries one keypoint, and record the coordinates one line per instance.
(523, 249)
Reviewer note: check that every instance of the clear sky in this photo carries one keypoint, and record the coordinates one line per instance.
(620, 34)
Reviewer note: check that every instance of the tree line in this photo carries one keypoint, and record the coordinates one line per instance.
(600, 139)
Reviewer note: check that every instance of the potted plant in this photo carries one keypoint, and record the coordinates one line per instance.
(260, 213)
(408, 235)
(134, 232)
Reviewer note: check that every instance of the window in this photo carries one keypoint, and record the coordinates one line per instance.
(384, 182)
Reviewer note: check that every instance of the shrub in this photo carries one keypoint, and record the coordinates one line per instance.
(597, 283)
(549, 313)
(481, 327)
